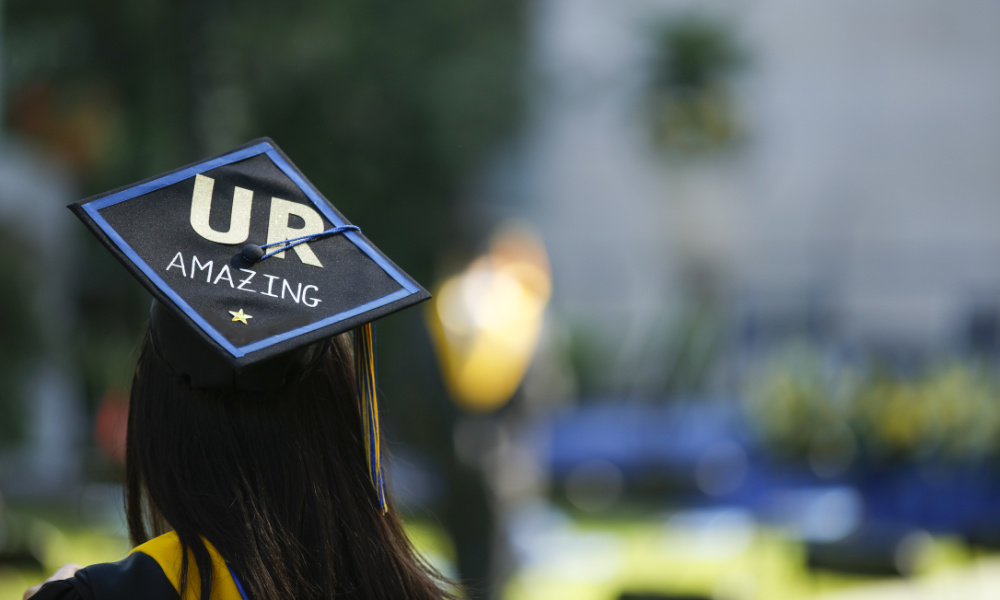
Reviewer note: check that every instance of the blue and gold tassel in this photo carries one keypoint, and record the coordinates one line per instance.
(366, 373)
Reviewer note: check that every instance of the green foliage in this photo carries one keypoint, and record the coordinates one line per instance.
(802, 405)
(21, 335)
(794, 398)
(690, 105)
(695, 53)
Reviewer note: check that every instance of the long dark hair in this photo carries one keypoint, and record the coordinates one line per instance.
(276, 482)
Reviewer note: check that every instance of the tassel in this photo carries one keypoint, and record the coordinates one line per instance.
(365, 369)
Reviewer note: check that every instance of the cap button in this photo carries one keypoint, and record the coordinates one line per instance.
(253, 252)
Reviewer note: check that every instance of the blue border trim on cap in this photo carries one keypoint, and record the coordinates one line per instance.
(92, 208)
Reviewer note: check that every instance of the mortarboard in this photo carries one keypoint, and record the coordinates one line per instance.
(248, 265)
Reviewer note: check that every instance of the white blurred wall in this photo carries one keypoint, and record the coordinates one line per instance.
(868, 179)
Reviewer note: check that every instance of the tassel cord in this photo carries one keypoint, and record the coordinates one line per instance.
(366, 380)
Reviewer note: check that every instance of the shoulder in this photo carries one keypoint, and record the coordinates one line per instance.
(137, 576)
(151, 572)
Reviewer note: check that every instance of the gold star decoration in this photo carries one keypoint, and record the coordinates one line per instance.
(240, 316)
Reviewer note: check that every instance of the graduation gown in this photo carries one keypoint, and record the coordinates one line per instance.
(151, 571)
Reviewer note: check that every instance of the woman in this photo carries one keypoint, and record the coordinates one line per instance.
(253, 454)
(275, 483)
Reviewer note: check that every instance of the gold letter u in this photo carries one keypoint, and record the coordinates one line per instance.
(201, 208)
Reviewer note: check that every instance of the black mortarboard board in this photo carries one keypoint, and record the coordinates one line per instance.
(182, 235)
(248, 262)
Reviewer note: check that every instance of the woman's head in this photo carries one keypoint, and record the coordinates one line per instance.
(276, 481)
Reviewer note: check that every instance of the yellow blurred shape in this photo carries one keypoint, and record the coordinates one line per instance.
(486, 320)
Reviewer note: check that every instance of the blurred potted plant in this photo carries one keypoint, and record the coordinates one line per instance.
(690, 101)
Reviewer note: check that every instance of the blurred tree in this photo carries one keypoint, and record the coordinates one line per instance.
(21, 334)
(690, 105)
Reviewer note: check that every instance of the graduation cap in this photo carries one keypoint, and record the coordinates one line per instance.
(249, 265)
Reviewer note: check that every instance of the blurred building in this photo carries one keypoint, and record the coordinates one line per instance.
(859, 192)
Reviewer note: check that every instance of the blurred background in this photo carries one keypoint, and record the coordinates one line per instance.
(716, 310)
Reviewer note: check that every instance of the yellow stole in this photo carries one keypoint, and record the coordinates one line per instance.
(166, 551)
